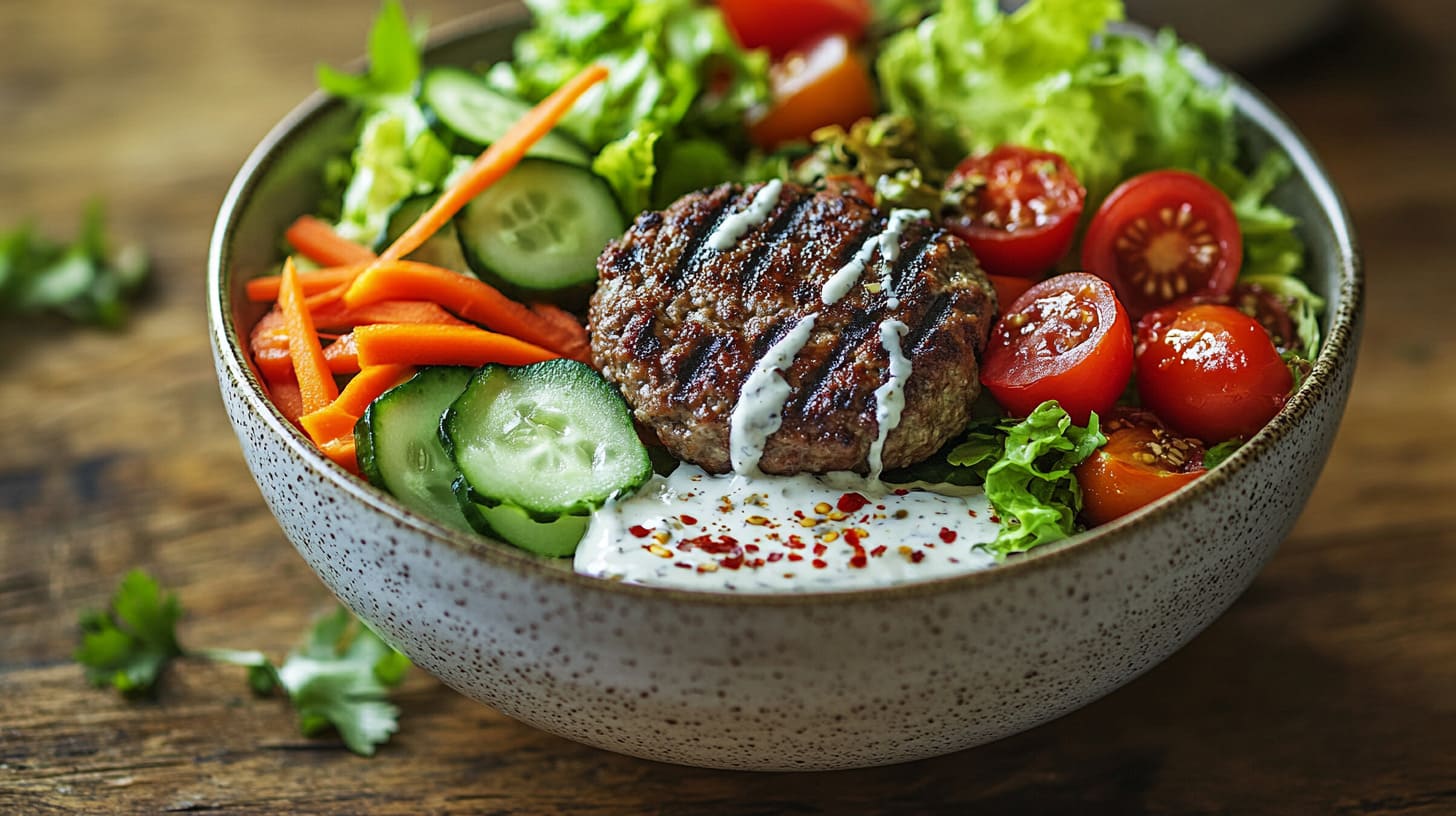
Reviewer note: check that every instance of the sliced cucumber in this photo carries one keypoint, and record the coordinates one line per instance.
(555, 539)
(471, 108)
(538, 231)
(442, 248)
(552, 439)
(397, 441)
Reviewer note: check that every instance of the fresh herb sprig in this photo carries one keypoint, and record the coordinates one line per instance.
(85, 280)
(339, 677)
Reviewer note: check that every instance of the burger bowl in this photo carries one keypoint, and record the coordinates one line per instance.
(789, 681)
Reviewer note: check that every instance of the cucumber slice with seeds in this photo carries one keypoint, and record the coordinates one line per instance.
(553, 439)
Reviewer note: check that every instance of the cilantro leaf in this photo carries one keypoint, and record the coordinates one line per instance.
(84, 281)
(340, 677)
(129, 644)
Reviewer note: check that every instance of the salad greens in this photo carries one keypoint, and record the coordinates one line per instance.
(1026, 469)
(85, 281)
(338, 678)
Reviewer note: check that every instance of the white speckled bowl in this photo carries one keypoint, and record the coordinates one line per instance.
(792, 682)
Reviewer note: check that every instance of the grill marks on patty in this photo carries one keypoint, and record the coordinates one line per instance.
(679, 325)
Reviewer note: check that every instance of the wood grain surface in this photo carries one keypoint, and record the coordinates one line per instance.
(1330, 688)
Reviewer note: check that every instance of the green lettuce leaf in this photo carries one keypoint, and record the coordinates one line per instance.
(662, 54)
(629, 165)
(1047, 76)
(1026, 468)
(398, 156)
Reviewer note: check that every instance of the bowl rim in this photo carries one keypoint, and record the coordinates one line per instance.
(1339, 343)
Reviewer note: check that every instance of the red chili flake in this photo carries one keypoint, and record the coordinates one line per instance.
(879, 507)
(972, 512)
(795, 543)
(859, 561)
(733, 561)
(639, 531)
(820, 549)
(947, 535)
(851, 502)
(722, 545)
(756, 563)
(917, 556)
(751, 547)
(795, 557)
(852, 536)
(682, 565)
(878, 551)
(688, 520)
(798, 514)
(775, 556)
(995, 519)
(901, 491)
(819, 563)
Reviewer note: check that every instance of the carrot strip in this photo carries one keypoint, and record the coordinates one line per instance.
(495, 161)
(265, 288)
(474, 300)
(341, 450)
(342, 355)
(415, 344)
(316, 240)
(286, 396)
(569, 327)
(337, 315)
(314, 379)
(338, 417)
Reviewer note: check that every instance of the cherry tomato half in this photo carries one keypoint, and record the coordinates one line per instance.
(1163, 236)
(825, 84)
(782, 26)
(1210, 371)
(1068, 339)
(1018, 209)
(1142, 461)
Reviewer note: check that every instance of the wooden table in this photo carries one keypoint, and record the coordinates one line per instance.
(1329, 688)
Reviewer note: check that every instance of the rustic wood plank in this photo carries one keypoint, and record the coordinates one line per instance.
(1329, 688)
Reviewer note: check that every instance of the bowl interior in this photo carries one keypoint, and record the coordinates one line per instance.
(281, 180)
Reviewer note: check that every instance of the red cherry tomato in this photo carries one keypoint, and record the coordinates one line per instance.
(1142, 461)
(1066, 339)
(1164, 236)
(1018, 209)
(782, 26)
(825, 84)
(1271, 310)
(1210, 371)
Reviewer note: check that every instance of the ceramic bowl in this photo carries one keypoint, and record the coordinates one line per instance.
(830, 680)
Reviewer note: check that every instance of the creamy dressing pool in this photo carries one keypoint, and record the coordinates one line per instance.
(731, 533)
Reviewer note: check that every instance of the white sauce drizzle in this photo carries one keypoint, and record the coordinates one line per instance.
(759, 411)
(695, 531)
(890, 397)
(738, 224)
(888, 243)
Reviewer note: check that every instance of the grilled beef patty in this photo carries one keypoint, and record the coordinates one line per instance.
(679, 325)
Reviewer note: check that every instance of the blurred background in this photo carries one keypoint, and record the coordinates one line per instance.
(1327, 688)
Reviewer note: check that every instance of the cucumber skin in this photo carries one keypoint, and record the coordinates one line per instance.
(557, 538)
(564, 374)
(556, 145)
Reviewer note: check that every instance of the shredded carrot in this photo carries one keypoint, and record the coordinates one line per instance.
(472, 299)
(496, 161)
(416, 344)
(318, 281)
(314, 379)
(338, 417)
(342, 355)
(336, 314)
(578, 344)
(316, 240)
